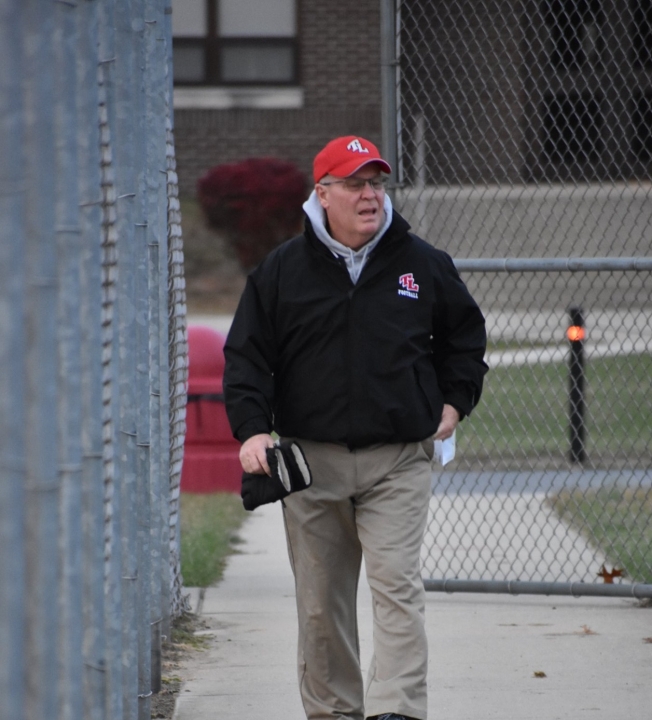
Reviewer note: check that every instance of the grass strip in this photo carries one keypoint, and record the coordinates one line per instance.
(525, 408)
(209, 526)
(617, 521)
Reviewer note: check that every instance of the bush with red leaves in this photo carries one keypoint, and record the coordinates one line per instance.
(256, 202)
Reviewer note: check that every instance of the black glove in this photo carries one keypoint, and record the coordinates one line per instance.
(290, 473)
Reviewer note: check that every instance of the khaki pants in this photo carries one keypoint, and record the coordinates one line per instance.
(374, 502)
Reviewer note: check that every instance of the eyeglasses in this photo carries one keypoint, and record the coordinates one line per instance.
(353, 184)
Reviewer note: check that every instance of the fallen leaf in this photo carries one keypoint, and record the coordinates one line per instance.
(586, 630)
(648, 640)
(607, 576)
(539, 674)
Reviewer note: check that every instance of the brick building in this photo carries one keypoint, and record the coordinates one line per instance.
(273, 78)
(503, 91)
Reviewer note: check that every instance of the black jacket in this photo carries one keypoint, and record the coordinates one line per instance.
(313, 356)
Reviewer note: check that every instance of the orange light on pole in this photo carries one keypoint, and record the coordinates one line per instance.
(575, 333)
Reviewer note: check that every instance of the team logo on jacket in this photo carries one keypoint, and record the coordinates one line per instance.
(408, 287)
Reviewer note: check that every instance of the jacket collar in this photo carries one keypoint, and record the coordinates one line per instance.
(397, 230)
(313, 209)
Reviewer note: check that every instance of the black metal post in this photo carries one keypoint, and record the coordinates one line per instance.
(576, 385)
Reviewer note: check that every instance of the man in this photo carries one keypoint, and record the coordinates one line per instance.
(359, 341)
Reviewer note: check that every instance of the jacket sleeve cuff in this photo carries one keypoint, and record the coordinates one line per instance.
(460, 401)
(255, 426)
(461, 412)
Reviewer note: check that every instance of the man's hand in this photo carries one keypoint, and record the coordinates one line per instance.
(449, 420)
(252, 454)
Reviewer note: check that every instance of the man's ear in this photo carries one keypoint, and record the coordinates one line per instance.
(322, 196)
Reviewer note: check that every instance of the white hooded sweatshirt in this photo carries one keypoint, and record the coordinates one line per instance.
(355, 259)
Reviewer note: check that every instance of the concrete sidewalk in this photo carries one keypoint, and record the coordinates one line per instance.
(485, 651)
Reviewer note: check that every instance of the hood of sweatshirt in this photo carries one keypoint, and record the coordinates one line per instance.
(354, 259)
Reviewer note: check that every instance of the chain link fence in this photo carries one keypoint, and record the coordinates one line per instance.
(521, 134)
(93, 351)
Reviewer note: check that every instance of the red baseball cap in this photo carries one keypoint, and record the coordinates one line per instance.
(346, 155)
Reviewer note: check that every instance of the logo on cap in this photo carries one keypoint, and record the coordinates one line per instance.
(356, 146)
(345, 155)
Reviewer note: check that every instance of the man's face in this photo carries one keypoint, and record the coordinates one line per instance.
(354, 215)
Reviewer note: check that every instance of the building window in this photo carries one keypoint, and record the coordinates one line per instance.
(642, 127)
(234, 42)
(642, 33)
(572, 129)
(575, 28)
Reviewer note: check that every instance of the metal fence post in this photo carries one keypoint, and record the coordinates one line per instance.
(69, 423)
(42, 484)
(155, 84)
(12, 354)
(112, 459)
(126, 194)
(90, 184)
(389, 72)
(143, 359)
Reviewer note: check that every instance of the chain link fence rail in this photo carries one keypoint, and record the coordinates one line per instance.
(521, 140)
(94, 358)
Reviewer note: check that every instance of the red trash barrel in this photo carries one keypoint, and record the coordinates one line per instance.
(210, 462)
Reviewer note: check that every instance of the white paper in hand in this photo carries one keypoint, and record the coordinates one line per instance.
(445, 450)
